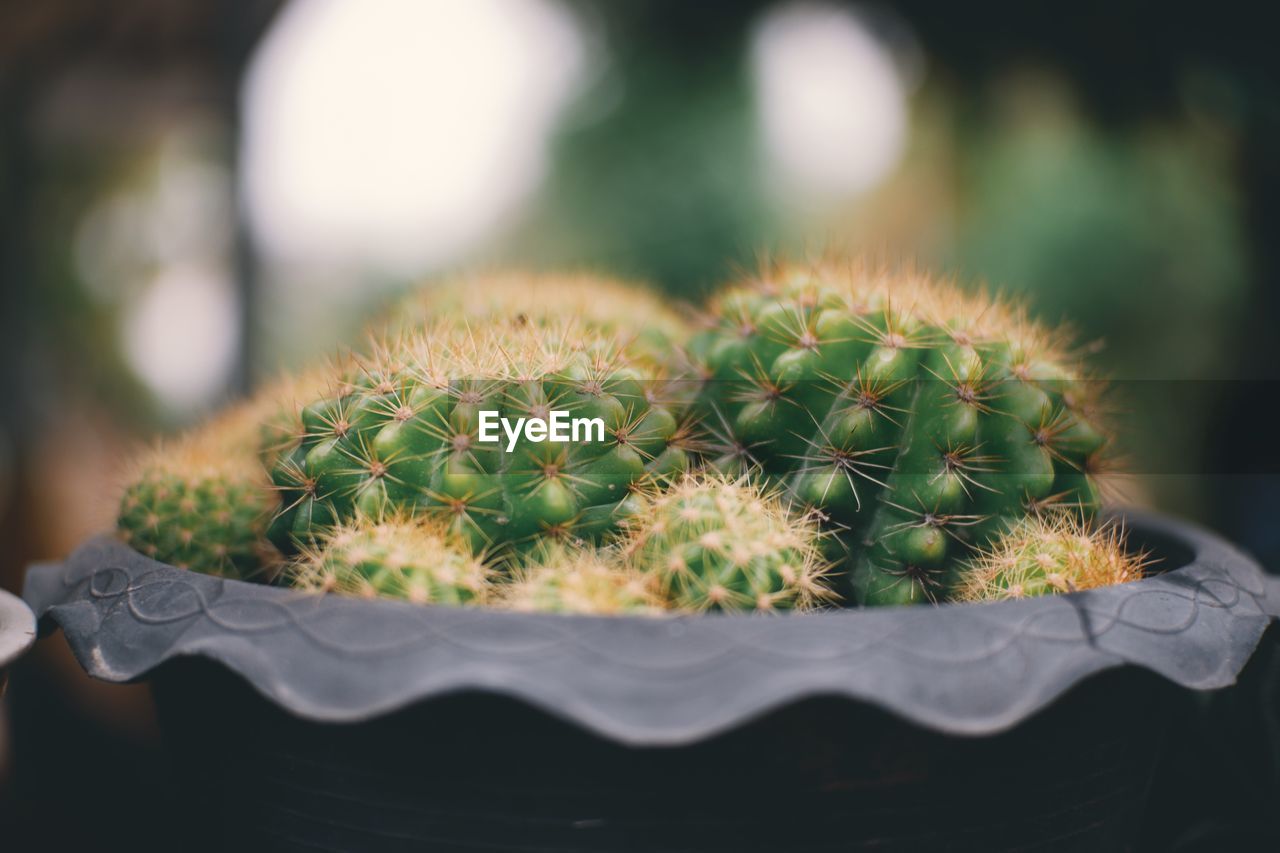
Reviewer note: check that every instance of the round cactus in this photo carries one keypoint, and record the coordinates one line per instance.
(404, 433)
(635, 316)
(719, 543)
(574, 579)
(202, 502)
(915, 418)
(412, 559)
(1048, 554)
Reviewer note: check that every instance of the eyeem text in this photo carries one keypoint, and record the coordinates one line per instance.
(556, 427)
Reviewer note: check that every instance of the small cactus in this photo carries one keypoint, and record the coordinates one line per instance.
(721, 543)
(411, 559)
(563, 578)
(202, 502)
(1049, 554)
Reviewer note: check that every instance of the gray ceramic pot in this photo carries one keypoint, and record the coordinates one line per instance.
(328, 723)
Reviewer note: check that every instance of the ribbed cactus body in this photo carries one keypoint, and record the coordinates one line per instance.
(403, 434)
(915, 419)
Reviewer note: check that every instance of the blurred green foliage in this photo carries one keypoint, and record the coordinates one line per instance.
(657, 173)
(1134, 236)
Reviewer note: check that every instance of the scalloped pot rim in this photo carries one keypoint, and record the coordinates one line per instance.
(960, 669)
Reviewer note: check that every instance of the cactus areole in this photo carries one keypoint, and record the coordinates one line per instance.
(558, 427)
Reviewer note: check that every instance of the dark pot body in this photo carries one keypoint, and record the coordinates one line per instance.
(478, 772)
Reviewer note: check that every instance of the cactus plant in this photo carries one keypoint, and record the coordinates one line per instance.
(640, 319)
(403, 432)
(1047, 554)
(414, 559)
(202, 502)
(917, 419)
(565, 578)
(712, 542)
(883, 422)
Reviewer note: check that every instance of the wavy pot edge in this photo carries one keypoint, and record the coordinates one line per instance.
(959, 669)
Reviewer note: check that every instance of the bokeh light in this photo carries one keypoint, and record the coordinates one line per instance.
(403, 156)
(182, 335)
(832, 103)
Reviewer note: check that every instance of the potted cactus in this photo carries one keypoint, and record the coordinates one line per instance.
(551, 565)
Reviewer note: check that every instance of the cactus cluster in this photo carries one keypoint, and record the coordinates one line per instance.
(829, 434)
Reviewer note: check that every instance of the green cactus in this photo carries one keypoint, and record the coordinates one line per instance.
(202, 502)
(403, 433)
(916, 419)
(563, 578)
(712, 542)
(414, 559)
(1048, 554)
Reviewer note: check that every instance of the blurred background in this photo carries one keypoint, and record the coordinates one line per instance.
(194, 195)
